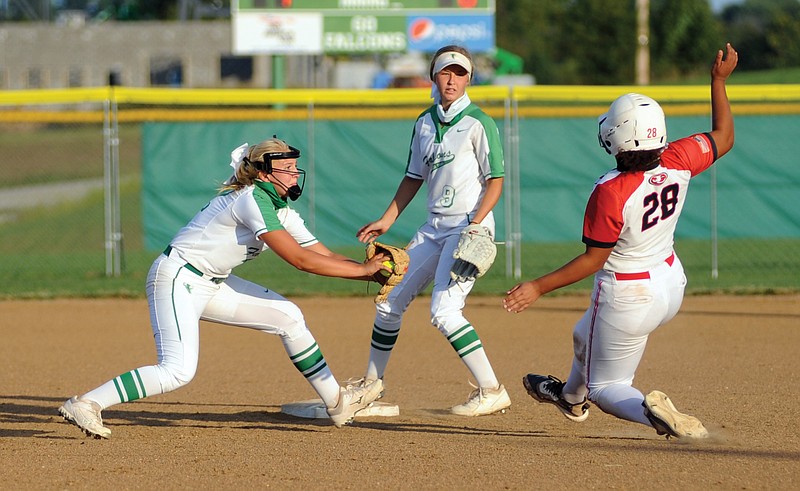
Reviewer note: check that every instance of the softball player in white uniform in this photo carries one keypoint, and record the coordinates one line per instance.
(192, 280)
(456, 148)
(639, 283)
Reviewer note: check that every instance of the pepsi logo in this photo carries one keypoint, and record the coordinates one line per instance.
(420, 29)
(658, 179)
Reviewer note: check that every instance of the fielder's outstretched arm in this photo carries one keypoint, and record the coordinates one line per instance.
(721, 116)
(310, 261)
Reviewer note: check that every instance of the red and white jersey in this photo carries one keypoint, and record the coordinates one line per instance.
(636, 212)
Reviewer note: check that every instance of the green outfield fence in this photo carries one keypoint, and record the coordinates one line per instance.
(94, 181)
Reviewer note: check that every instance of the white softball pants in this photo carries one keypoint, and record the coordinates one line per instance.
(431, 258)
(610, 338)
(178, 300)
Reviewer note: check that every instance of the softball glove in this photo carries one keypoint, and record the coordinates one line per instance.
(474, 255)
(399, 265)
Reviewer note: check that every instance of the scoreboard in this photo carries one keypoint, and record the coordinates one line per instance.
(360, 26)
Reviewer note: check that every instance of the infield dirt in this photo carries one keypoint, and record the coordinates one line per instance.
(729, 360)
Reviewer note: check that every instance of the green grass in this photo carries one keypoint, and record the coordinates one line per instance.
(72, 263)
(78, 150)
(73, 274)
(775, 76)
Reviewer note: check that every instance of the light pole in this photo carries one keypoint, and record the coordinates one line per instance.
(642, 42)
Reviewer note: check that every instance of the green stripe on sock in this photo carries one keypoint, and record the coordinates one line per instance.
(381, 348)
(477, 346)
(458, 332)
(465, 340)
(298, 355)
(129, 386)
(119, 391)
(384, 330)
(312, 373)
(388, 339)
(141, 383)
(384, 339)
(309, 361)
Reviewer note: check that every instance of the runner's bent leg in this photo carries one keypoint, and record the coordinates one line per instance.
(626, 312)
(575, 390)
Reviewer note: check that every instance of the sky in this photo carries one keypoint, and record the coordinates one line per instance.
(718, 5)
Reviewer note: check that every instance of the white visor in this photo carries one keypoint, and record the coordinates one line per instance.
(452, 58)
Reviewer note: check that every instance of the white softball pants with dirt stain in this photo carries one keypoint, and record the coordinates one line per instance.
(610, 338)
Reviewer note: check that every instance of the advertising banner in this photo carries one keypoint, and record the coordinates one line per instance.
(364, 34)
(363, 5)
(429, 33)
(360, 26)
(277, 33)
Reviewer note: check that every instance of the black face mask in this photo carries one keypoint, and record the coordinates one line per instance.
(292, 192)
(265, 165)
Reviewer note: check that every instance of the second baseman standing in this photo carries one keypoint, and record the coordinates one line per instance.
(456, 149)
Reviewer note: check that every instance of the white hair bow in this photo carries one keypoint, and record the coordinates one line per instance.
(237, 157)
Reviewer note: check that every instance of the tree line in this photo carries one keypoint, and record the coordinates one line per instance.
(593, 42)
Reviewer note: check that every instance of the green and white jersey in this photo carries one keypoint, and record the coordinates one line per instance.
(224, 234)
(456, 159)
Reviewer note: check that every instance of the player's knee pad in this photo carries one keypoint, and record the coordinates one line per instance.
(388, 315)
(173, 376)
(289, 322)
(293, 331)
(447, 322)
(447, 312)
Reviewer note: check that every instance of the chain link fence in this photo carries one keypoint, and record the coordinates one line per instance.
(79, 166)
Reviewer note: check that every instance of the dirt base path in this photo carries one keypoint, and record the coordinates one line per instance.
(731, 361)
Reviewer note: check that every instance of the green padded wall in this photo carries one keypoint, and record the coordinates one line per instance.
(357, 166)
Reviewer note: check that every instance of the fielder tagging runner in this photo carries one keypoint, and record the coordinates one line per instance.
(629, 229)
(456, 149)
(192, 280)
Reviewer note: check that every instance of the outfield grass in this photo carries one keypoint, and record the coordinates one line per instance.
(72, 263)
(58, 152)
(776, 76)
